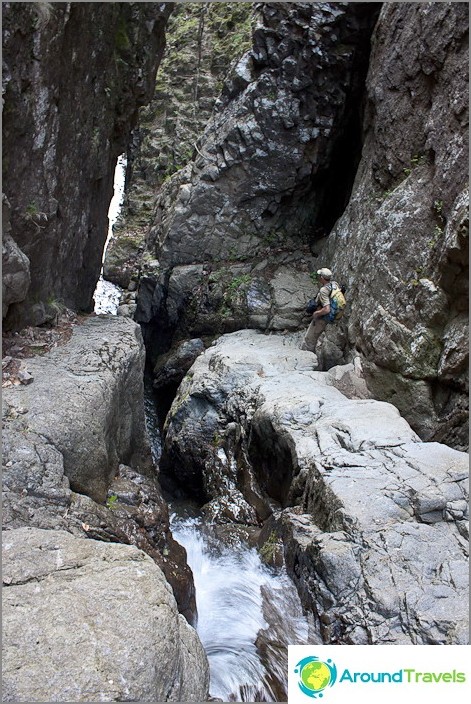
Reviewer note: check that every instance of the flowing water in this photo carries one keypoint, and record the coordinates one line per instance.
(247, 613)
(107, 295)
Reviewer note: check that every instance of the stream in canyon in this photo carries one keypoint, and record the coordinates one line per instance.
(248, 612)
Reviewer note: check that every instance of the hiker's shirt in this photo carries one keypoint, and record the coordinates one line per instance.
(323, 299)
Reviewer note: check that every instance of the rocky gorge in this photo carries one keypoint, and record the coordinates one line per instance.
(275, 138)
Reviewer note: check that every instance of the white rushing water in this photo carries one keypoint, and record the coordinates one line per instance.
(247, 615)
(106, 294)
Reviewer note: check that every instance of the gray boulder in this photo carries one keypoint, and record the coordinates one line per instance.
(68, 439)
(256, 430)
(88, 621)
(86, 402)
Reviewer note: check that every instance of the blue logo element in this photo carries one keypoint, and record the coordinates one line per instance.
(315, 675)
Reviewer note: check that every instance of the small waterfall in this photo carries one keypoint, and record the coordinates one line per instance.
(107, 295)
(247, 614)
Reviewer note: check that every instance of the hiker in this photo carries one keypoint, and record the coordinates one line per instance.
(320, 316)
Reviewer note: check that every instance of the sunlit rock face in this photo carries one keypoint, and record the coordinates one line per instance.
(74, 76)
(356, 496)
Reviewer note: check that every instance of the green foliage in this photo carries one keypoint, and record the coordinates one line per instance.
(239, 281)
(269, 549)
(418, 160)
(32, 210)
(203, 39)
(437, 233)
(438, 207)
(33, 215)
(56, 304)
(111, 501)
(270, 238)
(230, 25)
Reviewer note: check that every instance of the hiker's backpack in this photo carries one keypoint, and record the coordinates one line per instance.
(337, 302)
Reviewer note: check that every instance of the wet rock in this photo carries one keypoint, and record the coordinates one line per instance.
(138, 649)
(172, 367)
(363, 497)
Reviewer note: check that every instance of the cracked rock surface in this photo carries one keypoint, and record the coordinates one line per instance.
(77, 465)
(374, 520)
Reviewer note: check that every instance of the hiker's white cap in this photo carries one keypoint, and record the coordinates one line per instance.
(326, 273)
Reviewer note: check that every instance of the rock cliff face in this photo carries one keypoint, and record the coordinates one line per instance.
(402, 243)
(202, 40)
(74, 76)
(318, 153)
(286, 109)
(248, 199)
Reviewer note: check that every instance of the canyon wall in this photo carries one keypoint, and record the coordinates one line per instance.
(402, 244)
(74, 75)
(320, 152)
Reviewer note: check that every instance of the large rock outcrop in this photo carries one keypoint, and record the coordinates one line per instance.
(261, 178)
(402, 243)
(255, 432)
(88, 622)
(320, 153)
(74, 75)
(76, 453)
(86, 401)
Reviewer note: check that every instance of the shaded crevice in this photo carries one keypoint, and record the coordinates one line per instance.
(336, 183)
(271, 457)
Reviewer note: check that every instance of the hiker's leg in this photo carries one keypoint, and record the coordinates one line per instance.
(314, 331)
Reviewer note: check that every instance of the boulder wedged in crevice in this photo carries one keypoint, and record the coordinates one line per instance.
(361, 497)
(244, 213)
(268, 141)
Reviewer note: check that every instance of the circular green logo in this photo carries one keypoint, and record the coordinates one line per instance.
(315, 675)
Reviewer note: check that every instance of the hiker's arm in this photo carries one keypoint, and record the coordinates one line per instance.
(321, 311)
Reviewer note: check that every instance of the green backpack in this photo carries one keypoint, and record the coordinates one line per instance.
(337, 302)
